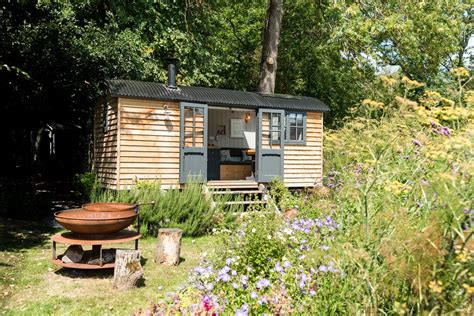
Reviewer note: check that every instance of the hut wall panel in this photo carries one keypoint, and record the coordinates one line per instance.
(149, 142)
(303, 163)
(105, 144)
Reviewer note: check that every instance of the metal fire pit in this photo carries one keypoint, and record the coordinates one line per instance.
(81, 221)
(109, 207)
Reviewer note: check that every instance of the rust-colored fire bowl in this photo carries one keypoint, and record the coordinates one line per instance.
(109, 207)
(81, 221)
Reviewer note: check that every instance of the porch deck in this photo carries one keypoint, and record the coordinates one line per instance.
(232, 184)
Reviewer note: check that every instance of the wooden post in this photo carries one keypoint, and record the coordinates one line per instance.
(128, 270)
(169, 246)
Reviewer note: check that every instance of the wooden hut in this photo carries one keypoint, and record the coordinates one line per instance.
(227, 138)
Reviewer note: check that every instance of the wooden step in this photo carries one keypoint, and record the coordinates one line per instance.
(236, 192)
(232, 184)
(241, 202)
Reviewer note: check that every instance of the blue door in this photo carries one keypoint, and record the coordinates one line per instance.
(270, 145)
(193, 139)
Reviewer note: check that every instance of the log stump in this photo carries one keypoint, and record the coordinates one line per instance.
(128, 270)
(169, 246)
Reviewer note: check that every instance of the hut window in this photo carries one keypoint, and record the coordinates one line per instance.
(105, 118)
(295, 131)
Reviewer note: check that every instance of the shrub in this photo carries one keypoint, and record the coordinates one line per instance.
(86, 183)
(262, 268)
(187, 209)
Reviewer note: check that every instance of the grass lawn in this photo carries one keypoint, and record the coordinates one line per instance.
(30, 284)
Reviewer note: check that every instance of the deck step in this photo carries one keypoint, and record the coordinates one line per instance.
(230, 184)
(242, 202)
(236, 192)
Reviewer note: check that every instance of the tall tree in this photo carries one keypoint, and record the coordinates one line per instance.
(271, 39)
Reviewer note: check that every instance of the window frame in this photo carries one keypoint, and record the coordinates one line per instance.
(105, 115)
(288, 127)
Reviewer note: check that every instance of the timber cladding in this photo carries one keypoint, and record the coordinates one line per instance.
(142, 142)
(105, 142)
(303, 165)
(149, 142)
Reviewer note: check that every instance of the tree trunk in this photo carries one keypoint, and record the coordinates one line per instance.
(128, 270)
(271, 39)
(169, 246)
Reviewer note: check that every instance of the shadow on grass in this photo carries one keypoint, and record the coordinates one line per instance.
(86, 274)
(19, 235)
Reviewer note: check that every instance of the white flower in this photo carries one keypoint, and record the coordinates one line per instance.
(269, 237)
(253, 230)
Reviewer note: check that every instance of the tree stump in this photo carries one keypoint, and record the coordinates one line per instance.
(73, 254)
(169, 246)
(128, 270)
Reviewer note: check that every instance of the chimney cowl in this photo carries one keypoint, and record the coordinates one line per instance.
(172, 64)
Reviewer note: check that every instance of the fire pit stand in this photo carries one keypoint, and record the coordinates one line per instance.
(96, 241)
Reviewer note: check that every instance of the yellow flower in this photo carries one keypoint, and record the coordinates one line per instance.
(431, 98)
(388, 81)
(460, 73)
(462, 255)
(436, 286)
(400, 308)
(397, 188)
(469, 289)
(406, 102)
(373, 104)
(411, 84)
(469, 97)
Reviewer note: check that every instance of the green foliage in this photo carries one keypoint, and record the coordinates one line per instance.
(187, 209)
(282, 196)
(86, 183)
(256, 242)
(389, 232)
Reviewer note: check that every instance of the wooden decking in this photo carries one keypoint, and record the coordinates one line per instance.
(238, 192)
(233, 185)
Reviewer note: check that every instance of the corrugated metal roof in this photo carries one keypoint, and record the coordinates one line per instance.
(212, 96)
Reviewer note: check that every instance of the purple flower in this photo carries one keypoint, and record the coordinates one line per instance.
(323, 268)
(262, 301)
(235, 285)
(416, 142)
(229, 261)
(243, 311)
(312, 292)
(278, 268)
(253, 295)
(445, 131)
(262, 283)
(243, 280)
(286, 264)
(302, 284)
